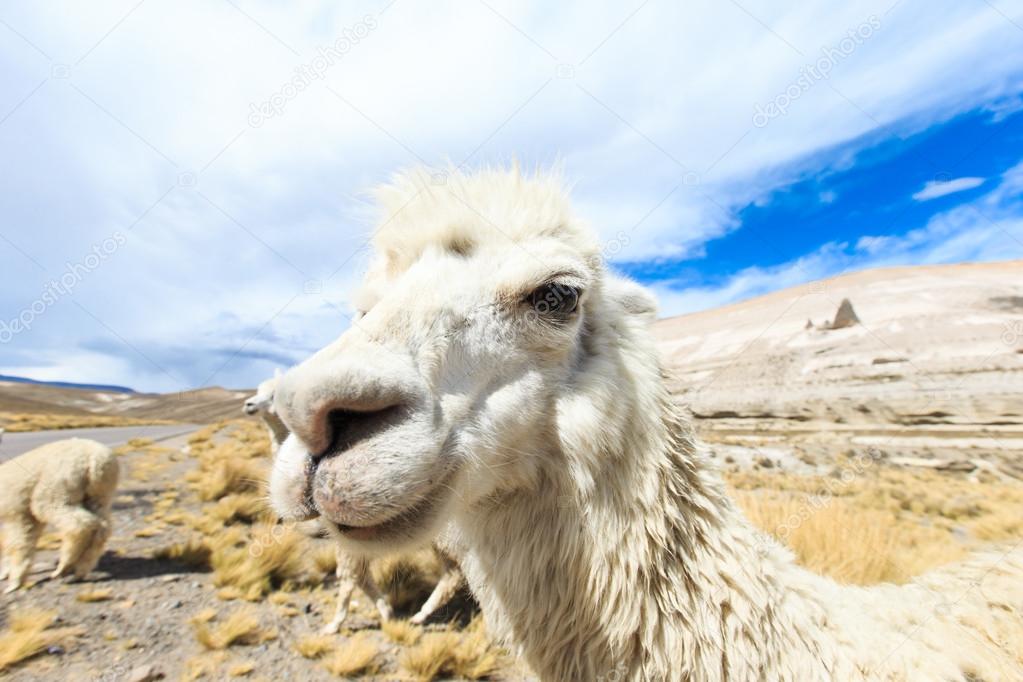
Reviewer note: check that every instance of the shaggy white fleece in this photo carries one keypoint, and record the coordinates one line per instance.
(67, 483)
(596, 535)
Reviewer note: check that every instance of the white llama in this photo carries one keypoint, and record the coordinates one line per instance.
(504, 384)
(69, 483)
(353, 570)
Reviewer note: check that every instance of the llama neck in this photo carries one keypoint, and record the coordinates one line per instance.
(647, 572)
(278, 431)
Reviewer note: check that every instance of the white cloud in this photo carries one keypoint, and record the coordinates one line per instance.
(113, 109)
(940, 188)
(989, 228)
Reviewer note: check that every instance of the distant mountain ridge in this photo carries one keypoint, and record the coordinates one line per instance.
(68, 384)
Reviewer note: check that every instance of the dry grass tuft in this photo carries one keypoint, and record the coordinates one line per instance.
(241, 628)
(29, 634)
(314, 646)
(149, 531)
(356, 657)
(280, 598)
(271, 557)
(203, 666)
(401, 631)
(241, 507)
(468, 655)
(231, 476)
(407, 579)
(89, 596)
(204, 616)
(241, 669)
(193, 552)
(324, 558)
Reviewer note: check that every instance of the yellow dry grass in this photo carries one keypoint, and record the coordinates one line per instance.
(878, 524)
(26, 421)
(89, 596)
(203, 666)
(324, 558)
(270, 556)
(241, 507)
(280, 599)
(28, 634)
(148, 532)
(231, 476)
(356, 657)
(314, 646)
(468, 654)
(407, 579)
(241, 669)
(240, 628)
(236, 463)
(401, 631)
(193, 552)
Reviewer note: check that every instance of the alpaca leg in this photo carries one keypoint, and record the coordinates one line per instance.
(20, 537)
(445, 590)
(77, 527)
(100, 503)
(345, 573)
(93, 550)
(369, 586)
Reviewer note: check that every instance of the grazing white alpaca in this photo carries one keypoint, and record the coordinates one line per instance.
(502, 382)
(353, 570)
(69, 483)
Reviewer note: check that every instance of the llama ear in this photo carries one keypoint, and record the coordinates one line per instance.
(633, 299)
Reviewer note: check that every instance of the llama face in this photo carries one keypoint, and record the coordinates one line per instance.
(445, 391)
(263, 399)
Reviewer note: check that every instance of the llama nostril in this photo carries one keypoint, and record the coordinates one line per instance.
(346, 427)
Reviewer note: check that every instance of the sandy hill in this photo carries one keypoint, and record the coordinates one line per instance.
(937, 353)
(198, 407)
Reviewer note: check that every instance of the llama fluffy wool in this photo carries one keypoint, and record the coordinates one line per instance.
(595, 533)
(67, 483)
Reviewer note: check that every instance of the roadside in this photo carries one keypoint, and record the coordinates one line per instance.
(14, 444)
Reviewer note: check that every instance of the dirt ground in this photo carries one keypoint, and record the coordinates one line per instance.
(142, 619)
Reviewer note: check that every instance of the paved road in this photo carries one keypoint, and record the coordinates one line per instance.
(14, 444)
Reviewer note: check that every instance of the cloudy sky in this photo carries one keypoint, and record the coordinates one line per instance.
(183, 198)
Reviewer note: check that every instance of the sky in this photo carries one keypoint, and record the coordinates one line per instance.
(184, 196)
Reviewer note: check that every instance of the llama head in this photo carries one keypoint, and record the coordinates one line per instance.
(467, 367)
(263, 399)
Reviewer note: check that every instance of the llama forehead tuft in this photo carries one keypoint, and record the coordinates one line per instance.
(461, 213)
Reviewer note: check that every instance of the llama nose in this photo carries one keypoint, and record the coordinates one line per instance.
(345, 427)
(331, 405)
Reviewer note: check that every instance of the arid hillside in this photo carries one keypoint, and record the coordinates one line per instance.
(929, 364)
(99, 408)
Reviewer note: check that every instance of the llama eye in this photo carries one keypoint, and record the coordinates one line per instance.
(555, 299)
